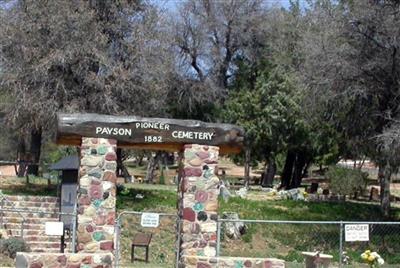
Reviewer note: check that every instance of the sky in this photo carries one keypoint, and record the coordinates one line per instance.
(171, 4)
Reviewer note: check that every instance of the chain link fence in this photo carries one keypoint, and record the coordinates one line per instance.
(27, 224)
(384, 238)
(286, 240)
(290, 240)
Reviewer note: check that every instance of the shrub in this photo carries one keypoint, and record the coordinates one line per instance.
(346, 181)
(122, 190)
(162, 176)
(12, 245)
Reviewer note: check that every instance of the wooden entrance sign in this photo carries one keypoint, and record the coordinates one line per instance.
(148, 133)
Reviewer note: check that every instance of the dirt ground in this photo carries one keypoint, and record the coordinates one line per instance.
(231, 170)
(235, 171)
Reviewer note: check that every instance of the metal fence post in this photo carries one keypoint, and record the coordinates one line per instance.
(341, 245)
(117, 240)
(22, 228)
(74, 228)
(218, 237)
(178, 243)
(2, 213)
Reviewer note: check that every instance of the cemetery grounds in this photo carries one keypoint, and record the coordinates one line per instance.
(285, 241)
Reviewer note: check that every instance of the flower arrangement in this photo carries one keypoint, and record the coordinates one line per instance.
(373, 259)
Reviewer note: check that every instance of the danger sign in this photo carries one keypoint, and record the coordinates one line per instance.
(356, 232)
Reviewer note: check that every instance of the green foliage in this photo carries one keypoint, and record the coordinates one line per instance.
(8, 142)
(37, 187)
(154, 200)
(295, 210)
(250, 232)
(268, 109)
(294, 256)
(346, 181)
(326, 143)
(12, 245)
(162, 176)
(122, 190)
(53, 153)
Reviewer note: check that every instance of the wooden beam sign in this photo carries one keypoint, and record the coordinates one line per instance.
(148, 133)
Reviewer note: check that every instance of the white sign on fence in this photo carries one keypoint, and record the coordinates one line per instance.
(356, 232)
(54, 228)
(150, 220)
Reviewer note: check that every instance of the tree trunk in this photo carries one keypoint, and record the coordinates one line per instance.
(288, 169)
(21, 157)
(305, 170)
(180, 186)
(247, 167)
(298, 170)
(36, 144)
(139, 160)
(269, 174)
(385, 191)
(151, 167)
(119, 162)
(121, 168)
(381, 179)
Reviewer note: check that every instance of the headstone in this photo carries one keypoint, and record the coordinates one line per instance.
(374, 194)
(314, 187)
(233, 230)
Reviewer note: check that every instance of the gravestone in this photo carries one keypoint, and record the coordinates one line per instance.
(374, 194)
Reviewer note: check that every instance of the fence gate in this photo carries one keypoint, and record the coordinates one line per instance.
(137, 230)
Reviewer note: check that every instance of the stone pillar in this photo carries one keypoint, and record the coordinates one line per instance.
(96, 196)
(199, 201)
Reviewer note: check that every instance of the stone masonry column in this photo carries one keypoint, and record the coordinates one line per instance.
(96, 196)
(199, 201)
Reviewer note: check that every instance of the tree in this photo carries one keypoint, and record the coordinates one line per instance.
(269, 112)
(209, 36)
(93, 56)
(293, 137)
(352, 68)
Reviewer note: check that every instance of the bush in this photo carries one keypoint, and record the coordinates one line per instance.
(12, 245)
(122, 190)
(346, 181)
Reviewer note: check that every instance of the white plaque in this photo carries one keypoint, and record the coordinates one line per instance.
(54, 228)
(356, 232)
(150, 220)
